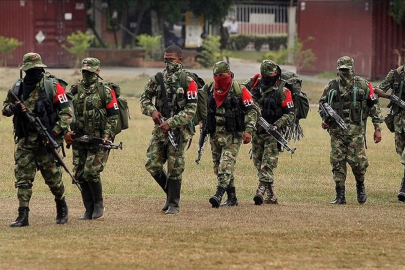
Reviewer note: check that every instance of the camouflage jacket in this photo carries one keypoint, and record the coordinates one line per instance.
(285, 101)
(391, 82)
(60, 104)
(182, 107)
(356, 106)
(93, 115)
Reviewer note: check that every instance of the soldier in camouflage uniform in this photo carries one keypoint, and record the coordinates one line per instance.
(228, 103)
(30, 152)
(173, 111)
(395, 81)
(98, 118)
(277, 108)
(352, 97)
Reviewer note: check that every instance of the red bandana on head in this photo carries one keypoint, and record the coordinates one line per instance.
(224, 84)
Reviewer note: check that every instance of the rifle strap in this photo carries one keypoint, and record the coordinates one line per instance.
(336, 85)
(166, 112)
(401, 82)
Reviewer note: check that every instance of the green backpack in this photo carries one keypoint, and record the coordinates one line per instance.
(202, 95)
(124, 116)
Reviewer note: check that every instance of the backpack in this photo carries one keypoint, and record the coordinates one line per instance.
(122, 105)
(202, 96)
(49, 81)
(291, 81)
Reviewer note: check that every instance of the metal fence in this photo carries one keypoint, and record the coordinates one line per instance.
(260, 18)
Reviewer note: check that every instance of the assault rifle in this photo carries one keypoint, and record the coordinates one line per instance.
(47, 139)
(170, 136)
(328, 112)
(105, 145)
(396, 100)
(201, 141)
(269, 128)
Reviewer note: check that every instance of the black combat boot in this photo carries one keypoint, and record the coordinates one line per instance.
(232, 200)
(271, 195)
(173, 196)
(361, 192)
(61, 211)
(401, 193)
(87, 201)
(340, 195)
(261, 189)
(22, 219)
(163, 182)
(97, 193)
(215, 200)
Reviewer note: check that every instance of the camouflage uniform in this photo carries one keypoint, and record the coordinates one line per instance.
(264, 145)
(348, 146)
(225, 144)
(395, 80)
(97, 118)
(182, 105)
(30, 153)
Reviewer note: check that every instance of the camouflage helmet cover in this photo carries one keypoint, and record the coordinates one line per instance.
(345, 62)
(31, 60)
(90, 64)
(221, 67)
(268, 68)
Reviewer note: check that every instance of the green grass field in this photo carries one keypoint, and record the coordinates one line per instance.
(302, 232)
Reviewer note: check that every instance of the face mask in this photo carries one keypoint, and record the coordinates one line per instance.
(33, 75)
(223, 83)
(345, 75)
(269, 81)
(89, 78)
(172, 66)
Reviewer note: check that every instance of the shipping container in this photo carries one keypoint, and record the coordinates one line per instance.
(42, 26)
(361, 29)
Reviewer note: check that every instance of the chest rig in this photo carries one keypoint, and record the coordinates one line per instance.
(170, 96)
(351, 102)
(269, 102)
(230, 114)
(90, 114)
(398, 87)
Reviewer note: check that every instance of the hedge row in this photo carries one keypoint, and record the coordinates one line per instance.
(239, 42)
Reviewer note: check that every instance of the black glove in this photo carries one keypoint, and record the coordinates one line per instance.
(16, 108)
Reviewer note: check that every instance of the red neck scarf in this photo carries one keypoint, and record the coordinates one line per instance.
(221, 89)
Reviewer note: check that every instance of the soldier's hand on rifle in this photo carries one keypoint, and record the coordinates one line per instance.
(377, 136)
(156, 117)
(324, 125)
(246, 137)
(164, 126)
(69, 137)
(18, 108)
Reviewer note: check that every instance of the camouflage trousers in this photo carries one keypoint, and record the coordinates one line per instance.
(400, 145)
(351, 150)
(224, 149)
(88, 162)
(159, 152)
(265, 156)
(30, 157)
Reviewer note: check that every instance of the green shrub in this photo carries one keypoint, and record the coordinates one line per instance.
(149, 44)
(211, 52)
(80, 42)
(280, 57)
(7, 46)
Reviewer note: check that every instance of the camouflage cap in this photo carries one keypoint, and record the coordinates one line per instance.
(221, 67)
(345, 62)
(90, 64)
(31, 60)
(268, 68)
